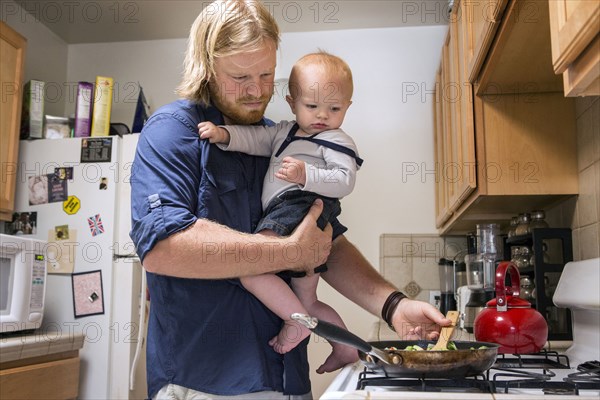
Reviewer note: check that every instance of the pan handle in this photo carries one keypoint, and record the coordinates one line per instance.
(336, 334)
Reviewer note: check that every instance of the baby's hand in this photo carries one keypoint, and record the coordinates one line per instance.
(292, 170)
(213, 133)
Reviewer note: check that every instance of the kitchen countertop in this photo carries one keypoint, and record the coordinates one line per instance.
(38, 344)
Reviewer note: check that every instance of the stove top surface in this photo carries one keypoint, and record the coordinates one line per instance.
(558, 382)
(553, 374)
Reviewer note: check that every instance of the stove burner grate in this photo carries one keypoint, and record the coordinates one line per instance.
(476, 384)
(520, 379)
(572, 384)
(542, 360)
(503, 380)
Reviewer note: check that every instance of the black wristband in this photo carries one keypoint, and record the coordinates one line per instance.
(390, 306)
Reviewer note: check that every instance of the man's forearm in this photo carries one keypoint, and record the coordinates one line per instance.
(354, 277)
(208, 250)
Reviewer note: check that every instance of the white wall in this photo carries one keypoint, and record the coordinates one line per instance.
(156, 65)
(46, 56)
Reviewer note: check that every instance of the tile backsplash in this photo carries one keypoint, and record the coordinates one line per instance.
(582, 214)
(410, 262)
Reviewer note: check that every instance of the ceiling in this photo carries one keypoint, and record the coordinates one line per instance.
(87, 21)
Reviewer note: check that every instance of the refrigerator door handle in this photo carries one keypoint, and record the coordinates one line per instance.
(141, 339)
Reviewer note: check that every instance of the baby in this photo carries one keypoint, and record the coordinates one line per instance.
(310, 158)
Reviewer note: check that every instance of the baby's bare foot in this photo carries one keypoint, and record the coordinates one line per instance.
(289, 337)
(339, 357)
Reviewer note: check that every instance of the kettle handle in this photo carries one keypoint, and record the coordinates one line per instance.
(515, 277)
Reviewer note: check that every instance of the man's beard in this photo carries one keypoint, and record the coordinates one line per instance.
(235, 111)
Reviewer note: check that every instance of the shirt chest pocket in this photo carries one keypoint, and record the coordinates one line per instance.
(223, 198)
(221, 182)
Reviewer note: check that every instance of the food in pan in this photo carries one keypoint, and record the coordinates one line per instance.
(451, 346)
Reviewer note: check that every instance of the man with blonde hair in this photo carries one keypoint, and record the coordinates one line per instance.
(193, 208)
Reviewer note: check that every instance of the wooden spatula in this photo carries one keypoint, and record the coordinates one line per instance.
(446, 331)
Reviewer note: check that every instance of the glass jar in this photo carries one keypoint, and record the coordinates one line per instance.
(520, 256)
(523, 227)
(515, 255)
(524, 258)
(538, 220)
(526, 290)
(514, 222)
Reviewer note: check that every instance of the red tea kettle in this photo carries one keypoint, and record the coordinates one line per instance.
(509, 320)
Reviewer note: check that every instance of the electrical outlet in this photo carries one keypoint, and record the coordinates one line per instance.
(432, 297)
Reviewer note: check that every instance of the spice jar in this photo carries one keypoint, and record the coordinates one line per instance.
(527, 288)
(514, 222)
(538, 220)
(523, 227)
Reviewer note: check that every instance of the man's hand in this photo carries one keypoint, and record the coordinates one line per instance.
(292, 170)
(418, 320)
(213, 133)
(309, 246)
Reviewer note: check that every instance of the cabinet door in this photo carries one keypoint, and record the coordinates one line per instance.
(582, 77)
(573, 25)
(12, 57)
(461, 172)
(441, 200)
(480, 19)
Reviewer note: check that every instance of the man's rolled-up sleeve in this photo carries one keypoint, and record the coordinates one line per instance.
(164, 181)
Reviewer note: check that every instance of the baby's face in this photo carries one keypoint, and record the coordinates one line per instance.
(320, 103)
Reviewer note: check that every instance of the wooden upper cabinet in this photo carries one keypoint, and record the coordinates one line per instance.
(520, 60)
(575, 32)
(480, 19)
(443, 136)
(454, 136)
(460, 171)
(505, 141)
(12, 61)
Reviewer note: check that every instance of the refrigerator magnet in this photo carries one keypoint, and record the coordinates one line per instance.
(87, 293)
(96, 150)
(23, 223)
(71, 205)
(61, 250)
(95, 224)
(103, 183)
(63, 173)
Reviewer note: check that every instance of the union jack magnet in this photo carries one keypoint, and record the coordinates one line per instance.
(95, 224)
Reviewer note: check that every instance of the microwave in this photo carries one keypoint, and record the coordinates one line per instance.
(22, 283)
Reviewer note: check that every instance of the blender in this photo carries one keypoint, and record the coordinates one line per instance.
(481, 271)
(452, 276)
(447, 289)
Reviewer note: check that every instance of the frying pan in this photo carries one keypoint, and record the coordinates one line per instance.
(417, 364)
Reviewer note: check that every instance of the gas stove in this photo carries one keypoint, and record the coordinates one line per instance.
(562, 370)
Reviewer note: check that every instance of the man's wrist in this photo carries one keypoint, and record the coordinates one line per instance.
(390, 305)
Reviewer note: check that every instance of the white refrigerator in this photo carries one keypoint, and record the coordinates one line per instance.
(76, 192)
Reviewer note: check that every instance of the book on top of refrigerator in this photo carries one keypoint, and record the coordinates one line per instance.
(83, 109)
(32, 114)
(102, 106)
